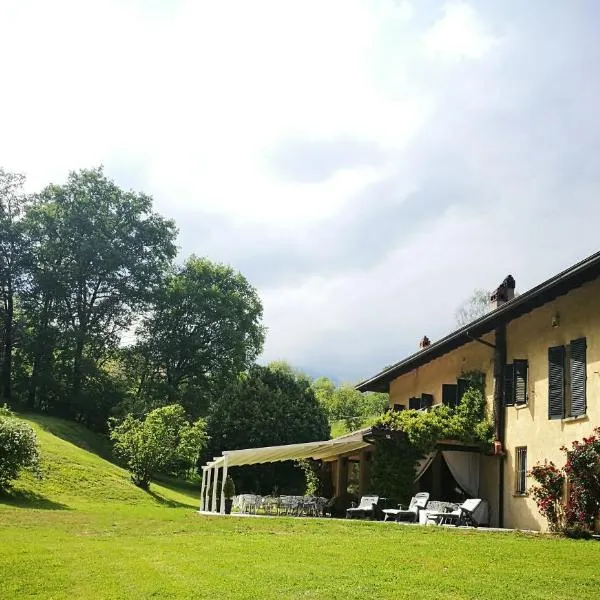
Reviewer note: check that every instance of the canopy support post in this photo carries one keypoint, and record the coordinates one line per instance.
(224, 477)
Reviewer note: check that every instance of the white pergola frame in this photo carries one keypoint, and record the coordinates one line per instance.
(321, 450)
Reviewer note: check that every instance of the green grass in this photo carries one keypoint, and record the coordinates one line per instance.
(86, 532)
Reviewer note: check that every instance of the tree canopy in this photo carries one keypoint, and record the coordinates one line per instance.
(204, 328)
(266, 407)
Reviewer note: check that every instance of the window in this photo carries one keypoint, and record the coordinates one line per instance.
(567, 380)
(521, 470)
(515, 382)
(452, 393)
(449, 394)
(398, 407)
(420, 402)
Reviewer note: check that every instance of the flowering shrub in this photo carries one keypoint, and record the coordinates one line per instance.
(582, 471)
(548, 493)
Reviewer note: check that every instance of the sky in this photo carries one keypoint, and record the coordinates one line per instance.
(365, 164)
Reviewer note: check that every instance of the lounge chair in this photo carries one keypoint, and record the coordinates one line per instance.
(473, 512)
(367, 508)
(411, 513)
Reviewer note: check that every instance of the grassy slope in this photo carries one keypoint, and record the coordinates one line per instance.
(86, 532)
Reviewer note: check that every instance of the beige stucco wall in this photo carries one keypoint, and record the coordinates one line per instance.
(529, 337)
(429, 378)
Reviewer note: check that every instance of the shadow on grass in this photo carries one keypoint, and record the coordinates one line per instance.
(167, 501)
(24, 499)
(76, 434)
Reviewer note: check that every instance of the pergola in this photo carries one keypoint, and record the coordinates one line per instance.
(322, 450)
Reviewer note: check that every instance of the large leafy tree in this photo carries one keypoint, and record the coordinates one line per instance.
(204, 329)
(12, 251)
(99, 254)
(266, 407)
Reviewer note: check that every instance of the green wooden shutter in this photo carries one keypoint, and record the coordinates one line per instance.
(426, 400)
(520, 369)
(556, 382)
(509, 385)
(577, 365)
(414, 403)
(462, 386)
(449, 393)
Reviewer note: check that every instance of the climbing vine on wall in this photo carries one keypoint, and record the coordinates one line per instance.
(395, 459)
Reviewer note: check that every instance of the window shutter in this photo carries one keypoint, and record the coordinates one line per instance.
(556, 382)
(520, 368)
(449, 393)
(426, 400)
(462, 386)
(578, 377)
(509, 385)
(414, 403)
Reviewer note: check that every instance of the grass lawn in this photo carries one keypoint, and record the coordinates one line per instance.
(86, 532)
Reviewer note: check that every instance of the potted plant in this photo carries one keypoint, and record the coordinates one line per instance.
(229, 493)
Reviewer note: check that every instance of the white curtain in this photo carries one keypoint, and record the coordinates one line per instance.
(423, 464)
(464, 467)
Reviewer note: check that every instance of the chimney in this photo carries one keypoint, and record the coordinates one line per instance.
(504, 293)
(424, 342)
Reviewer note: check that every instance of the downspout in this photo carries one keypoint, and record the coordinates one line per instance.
(499, 412)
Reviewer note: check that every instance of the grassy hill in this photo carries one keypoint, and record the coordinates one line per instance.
(86, 532)
(78, 473)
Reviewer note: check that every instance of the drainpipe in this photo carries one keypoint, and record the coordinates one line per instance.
(499, 411)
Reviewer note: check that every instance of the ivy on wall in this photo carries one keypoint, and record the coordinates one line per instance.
(417, 433)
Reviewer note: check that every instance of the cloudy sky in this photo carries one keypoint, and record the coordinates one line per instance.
(366, 164)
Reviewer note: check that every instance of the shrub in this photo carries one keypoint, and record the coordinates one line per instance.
(582, 471)
(548, 493)
(18, 449)
(229, 488)
(163, 437)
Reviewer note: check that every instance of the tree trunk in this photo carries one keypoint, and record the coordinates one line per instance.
(8, 345)
(36, 396)
(77, 372)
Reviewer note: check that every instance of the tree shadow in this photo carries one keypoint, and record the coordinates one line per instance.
(23, 499)
(166, 501)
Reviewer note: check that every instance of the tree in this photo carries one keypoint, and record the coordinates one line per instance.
(100, 253)
(12, 248)
(204, 329)
(152, 444)
(347, 404)
(266, 407)
(18, 448)
(477, 305)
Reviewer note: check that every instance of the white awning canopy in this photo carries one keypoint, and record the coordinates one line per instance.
(322, 450)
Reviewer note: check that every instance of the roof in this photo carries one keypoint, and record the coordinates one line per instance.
(317, 450)
(573, 277)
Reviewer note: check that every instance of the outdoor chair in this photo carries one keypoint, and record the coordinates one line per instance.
(473, 512)
(417, 503)
(367, 508)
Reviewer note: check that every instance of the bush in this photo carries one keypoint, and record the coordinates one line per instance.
(548, 493)
(229, 488)
(18, 449)
(162, 438)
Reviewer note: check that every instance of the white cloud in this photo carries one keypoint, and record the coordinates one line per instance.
(188, 100)
(458, 34)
